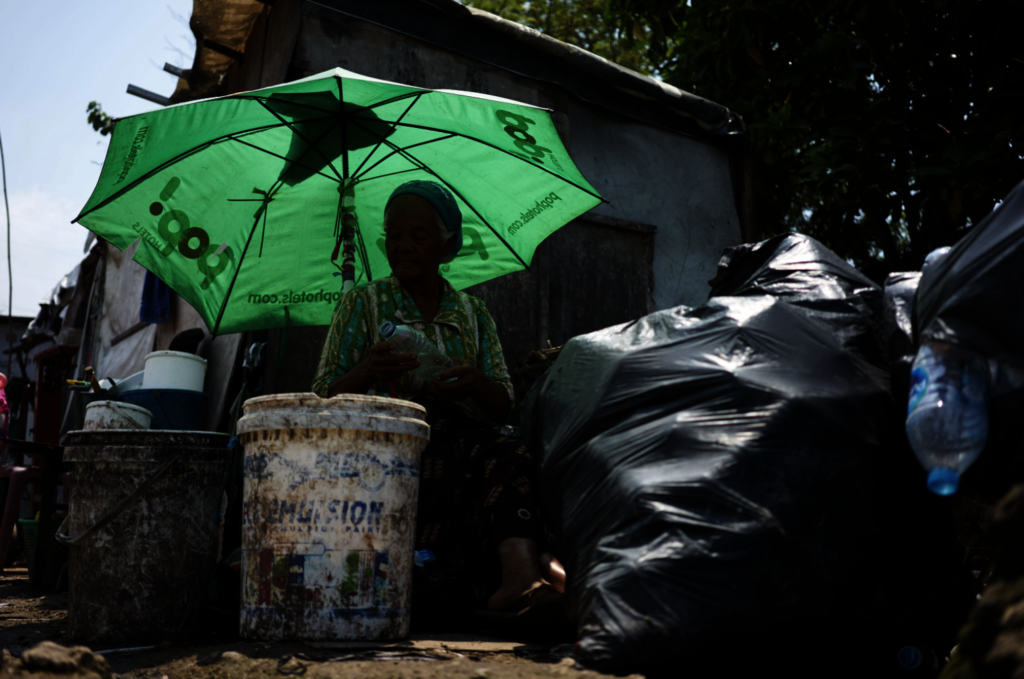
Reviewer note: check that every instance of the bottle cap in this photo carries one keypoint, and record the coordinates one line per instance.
(943, 481)
(387, 329)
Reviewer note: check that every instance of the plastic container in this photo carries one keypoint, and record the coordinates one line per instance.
(173, 409)
(408, 340)
(947, 414)
(329, 517)
(129, 383)
(141, 532)
(174, 370)
(114, 415)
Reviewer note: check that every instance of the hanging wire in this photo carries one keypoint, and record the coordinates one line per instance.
(10, 274)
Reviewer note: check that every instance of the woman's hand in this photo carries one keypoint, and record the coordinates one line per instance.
(380, 365)
(471, 382)
(467, 380)
(386, 366)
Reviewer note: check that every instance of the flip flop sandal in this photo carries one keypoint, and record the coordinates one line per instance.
(547, 620)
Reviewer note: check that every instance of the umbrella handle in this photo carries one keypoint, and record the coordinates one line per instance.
(349, 225)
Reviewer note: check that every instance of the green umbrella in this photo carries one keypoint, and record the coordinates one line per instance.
(256, 206)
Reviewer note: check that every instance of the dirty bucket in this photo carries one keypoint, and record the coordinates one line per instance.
(177, 409)
(329, 516)
(142, 531)
(114, 415)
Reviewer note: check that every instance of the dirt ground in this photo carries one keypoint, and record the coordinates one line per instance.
(28, 617)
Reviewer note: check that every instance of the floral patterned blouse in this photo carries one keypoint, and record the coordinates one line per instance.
(463, 327)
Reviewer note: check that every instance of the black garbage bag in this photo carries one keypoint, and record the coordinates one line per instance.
(712, 471)
(972, 297)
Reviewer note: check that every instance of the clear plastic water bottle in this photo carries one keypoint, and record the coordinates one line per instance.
(947, 416)
(409, 340)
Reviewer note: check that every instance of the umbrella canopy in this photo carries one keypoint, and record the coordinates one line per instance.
(237, 204)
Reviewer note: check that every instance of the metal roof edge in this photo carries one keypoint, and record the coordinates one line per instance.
(488, 38)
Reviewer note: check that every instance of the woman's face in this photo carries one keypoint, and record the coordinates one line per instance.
(412, 240)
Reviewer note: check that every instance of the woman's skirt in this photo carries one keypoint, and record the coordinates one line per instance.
(477, 488)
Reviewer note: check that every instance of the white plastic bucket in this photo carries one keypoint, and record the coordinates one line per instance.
(329, 516)
(174, 370)
(115, 415)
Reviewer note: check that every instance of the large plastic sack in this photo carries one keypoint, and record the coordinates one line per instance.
(972, 297)
(711, 471)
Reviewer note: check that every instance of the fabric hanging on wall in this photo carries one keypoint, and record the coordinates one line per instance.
(156, 300)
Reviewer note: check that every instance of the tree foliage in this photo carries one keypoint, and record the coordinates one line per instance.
(883, 128)
(583, 23)
(100, 121)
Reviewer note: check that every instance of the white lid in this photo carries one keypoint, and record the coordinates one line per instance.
(175, 354)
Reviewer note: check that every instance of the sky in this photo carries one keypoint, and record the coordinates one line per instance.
(57, 56)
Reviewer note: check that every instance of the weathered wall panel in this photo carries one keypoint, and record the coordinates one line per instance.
(599, 276)
(679, 184)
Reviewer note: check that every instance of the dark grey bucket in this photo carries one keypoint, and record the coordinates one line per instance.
(142, 531)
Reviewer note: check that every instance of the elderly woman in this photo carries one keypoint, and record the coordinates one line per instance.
(478, 507)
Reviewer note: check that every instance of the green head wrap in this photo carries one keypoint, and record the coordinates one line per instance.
(442, 200)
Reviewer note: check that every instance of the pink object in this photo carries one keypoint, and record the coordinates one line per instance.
(5, 411)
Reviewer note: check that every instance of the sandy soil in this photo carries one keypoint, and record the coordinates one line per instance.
(28, 617)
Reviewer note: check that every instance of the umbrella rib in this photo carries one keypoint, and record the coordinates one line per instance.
(181, 156)
(280, 180)
(285, 158)
(456, 192)
(364, 256)
(290, 102)
(393, 126)
(389, 174)
(400, 97)
(392, 99)
(486, 223)
(263, 232)
(261, 212)
(344, 129)
(498, 148)
(311, 147)
(411, 146)
(338, 216)
(238, 269)
(295, 130)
